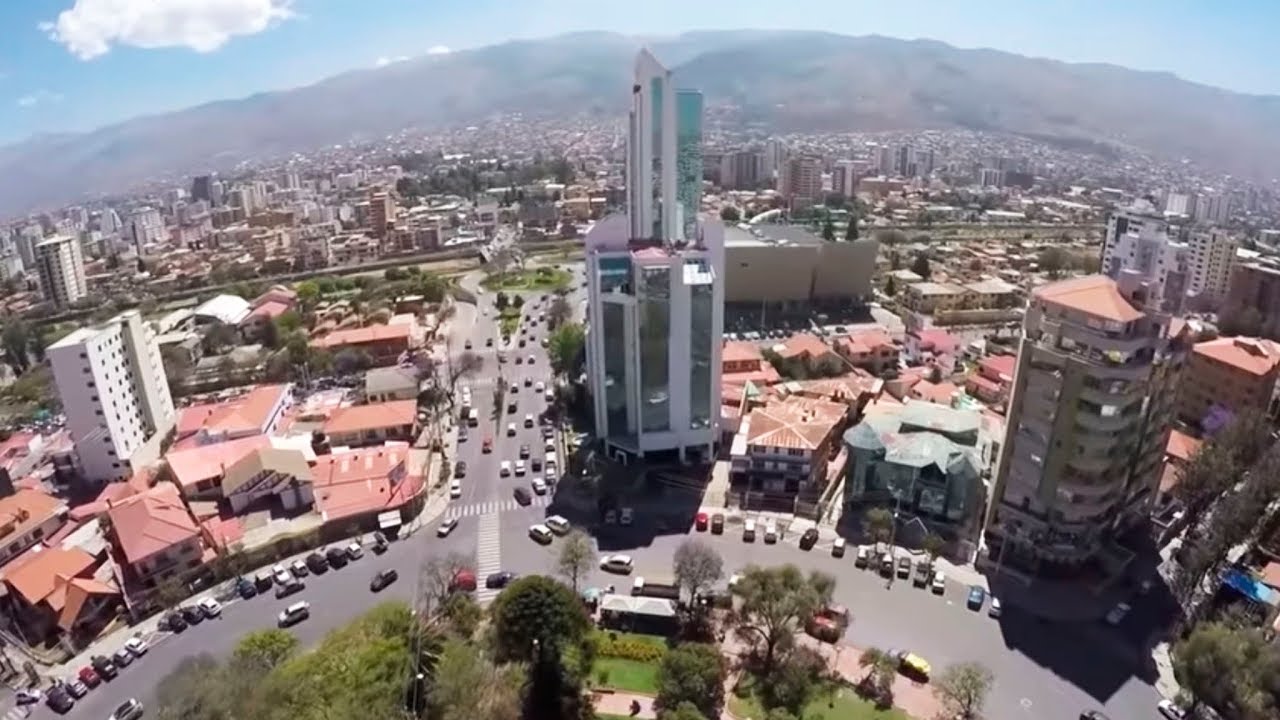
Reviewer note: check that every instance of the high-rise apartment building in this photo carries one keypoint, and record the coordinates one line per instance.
(115, 396)
(382, 213)
(844, 178)
(1212, 208)
(1087, 426)
(655, 297)
(742, 170)
(202, 188)
(775, 154)
(1137, 246)
(1252, 306)
(1213, 254)
(60, 267)
(1228, 375)
(884, 160)
(801, 181)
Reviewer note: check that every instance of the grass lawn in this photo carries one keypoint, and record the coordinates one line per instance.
(627, 675)
(542, 279)
(830, 702)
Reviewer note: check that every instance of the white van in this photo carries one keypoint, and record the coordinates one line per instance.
(749, 531)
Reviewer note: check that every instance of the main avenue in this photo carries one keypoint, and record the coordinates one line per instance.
(1043, 670)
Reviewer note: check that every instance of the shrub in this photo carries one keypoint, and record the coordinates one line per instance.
(627, 648)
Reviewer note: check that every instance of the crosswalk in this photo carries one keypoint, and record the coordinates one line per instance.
(494, 507)
(488, 554)
(17, 713)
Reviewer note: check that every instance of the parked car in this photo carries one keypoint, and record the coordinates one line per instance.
(995, 609)
(626, 517)
(75, 687)
(700, 522)
(863, 558)
(59, 700)
(460, 469)
(499, 580)
(355, 551)
(89, 676)
(175, 623)
(770, 531)
(540, 533)
(294, 614)
(130, 709)
(317, 563)
(122, 658)
(136, 646)
(939, 582)
(539, 487)
(977, 597)
(263, 580)
(192, 614)
(904, 568)
(809, 539)
(210, 607)
(446, 527)
(337, 557)
(104, 667)
(246, 589)
(1170, 710)
(837, 547)
(290, 588)
(749, 530)
(924, 571)
(382, 579)
(717, 524)
(280, 575)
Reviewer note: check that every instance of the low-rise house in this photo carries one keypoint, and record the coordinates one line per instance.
(384, 344)
(28, 517)
(372, 424)
(257, 412)
(52, 591)
(933, 347)
(871, 350)
(923, 460)
(993, 380)
(743, 362)
(361, 485)
(781, 451)
(156, 538)
(390, 383)
(805, 347)
(928, 298)
(279, 475)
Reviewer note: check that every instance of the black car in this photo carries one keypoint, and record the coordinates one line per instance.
(717, 524)
(317, 563)
(175, 623)
(245, 588)
(536, 464)
(466, 345)
(193, 615)
(522, 496)
(104, 667)
(809, 539)
(382, 579)
(462, 433)
(460, 470)
(58, 699)
(290, 588)
(488, 342)
(123, 658)
(499, 580)
(337, 557)
(521, 343)
(524, 451)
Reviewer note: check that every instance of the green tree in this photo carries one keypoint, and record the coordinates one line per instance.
(878, 524)
(1053, 260)
(264, 650)
(288, 321)
(1218, 667)
(697, 567)
(462, 613)
(16, 339)
(501, 301)
(577, 558)
(920, 266)
(308, 293)
(730, 214)
(394, 274)
(469, 686)
(692, 673)
(791, 685)
(828, 230)
(559, 312)
(851, 230)
(517, 301)
(890, 287)
(536, 614)
(193, 690)
(564, 349)
(882, 670)
(963, 689)
(774, 602)
(270, 337)
(683, 711)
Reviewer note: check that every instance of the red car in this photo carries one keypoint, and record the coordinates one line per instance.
(700, 521)
(487, 446)
(89, 676)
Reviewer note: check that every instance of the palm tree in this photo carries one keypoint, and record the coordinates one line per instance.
(878, 523)
(882, 669)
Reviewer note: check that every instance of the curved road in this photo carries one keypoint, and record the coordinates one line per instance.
(1043, 671)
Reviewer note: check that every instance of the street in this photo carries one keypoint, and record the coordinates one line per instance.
(1043, 671)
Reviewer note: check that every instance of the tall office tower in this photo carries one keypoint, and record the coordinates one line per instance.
(217, 193)
(801, 181)
(1178, 204)
(109, 222)
(202, 188)
(382, 212)
(60, 266)
(884, 160)
(1137, 246)
(115, 395)
(688, 159)
(1213, 254)
(1213, 208)
(844, 178)
(1088, 422)
(742, 170)
(655, 297)
(905, 162)
(775, 154)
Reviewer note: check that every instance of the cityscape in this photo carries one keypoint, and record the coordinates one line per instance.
(673, 412)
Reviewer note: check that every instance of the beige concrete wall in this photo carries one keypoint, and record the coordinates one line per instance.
(844, 269)
(769, 273)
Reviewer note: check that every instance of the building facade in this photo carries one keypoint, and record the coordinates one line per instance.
(801, 181)
(60, 267)
(115, 396)
(1088, 422)
(1232, 374)
(1253, 300)
(1137, 245)
(1213, 253)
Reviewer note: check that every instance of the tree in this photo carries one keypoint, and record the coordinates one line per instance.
(192, 691)
(963, 688)
(730, 214)
(435, 578)
(308, 294)
(791, 685)
(463, 614)
(1215, 665)
(469, 686)
(16, 340)
(518, 301)
(878, 524)
(890, 287)
(933, 544)
(1053, 260)
(683, 711)
(263, 650)
(692, 673)
(394, 274)
(828, 230)
(697, 567)
(270, 337)
(349, 361)
(564, 348)
(882, 670)
(536, 614)
(501, 301)
(774, 602)
(920, 266)
(851, 230)
(577, 558)
(559, 312)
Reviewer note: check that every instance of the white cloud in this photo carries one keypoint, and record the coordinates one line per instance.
(38, 97)
(91, 27)
(438, 50)
(385, 61)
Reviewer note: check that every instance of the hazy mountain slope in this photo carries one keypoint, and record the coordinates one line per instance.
(799, 80)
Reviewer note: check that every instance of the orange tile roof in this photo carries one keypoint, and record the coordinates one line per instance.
(27, 509)
(937, 393)
(362, 335)
(1002, 366)
(766, 375)
(359, 481)
(78, 591)
(1095, 295)
(1255, 356)
(269, 309)
(36, 579)
(865, 341)
(152, 522)
(1181, 445)
(801, 423)
(207, 462)
(801, 344)
(248, 413)
(739, 351)
(358, 418)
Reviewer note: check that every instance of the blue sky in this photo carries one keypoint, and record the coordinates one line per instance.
(68, 65)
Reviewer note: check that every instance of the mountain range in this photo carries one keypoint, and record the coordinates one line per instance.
(794, 80)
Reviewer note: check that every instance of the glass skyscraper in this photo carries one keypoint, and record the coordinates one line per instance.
(688, 159)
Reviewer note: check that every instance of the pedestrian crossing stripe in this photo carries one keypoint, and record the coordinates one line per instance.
(488, 554)
(493, 507)
(17, 713)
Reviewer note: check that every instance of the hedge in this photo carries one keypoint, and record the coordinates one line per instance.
(627, 648)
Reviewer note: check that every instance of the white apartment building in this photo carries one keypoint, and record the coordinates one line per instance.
(844, 178)
(655, 296)
(115, 395)
(60, 267)
(1137, 246)
(1213, 254)
(801, 181)
(1087, 426)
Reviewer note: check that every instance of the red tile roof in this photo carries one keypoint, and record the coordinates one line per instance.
(27, 509)
(152, 522)
(36, 578)
(802, 344)
(1181, 445)
(739, 351)
(363, 335)
(269, 309)
(1095, 295)
(208, 462)
(248, 413)
(865, 341)
(362, 481)
(801, 423)
(1000, 366)
(1255, 356)
(358, 418)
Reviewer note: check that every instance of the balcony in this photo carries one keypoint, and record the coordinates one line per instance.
(1090, 462)
(1095, 422)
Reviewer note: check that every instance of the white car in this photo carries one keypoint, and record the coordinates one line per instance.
(1118, 613)
(280, 575)
(528, 421)
(558, 525)
(549, 446)
(540, 533)
(511, 429)
(939, 582)
(355, 551)
(995, 609)
(627, 516)
(455, 489)
(446, 527)
(530, 360)
(210, 607)
(549, 395)
(136, 646)
(770, 531)
(540, 386)
(515, 388)
(519, 468)
(539, 487)
(504, 469)
(1170, 710)
(616, 563)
